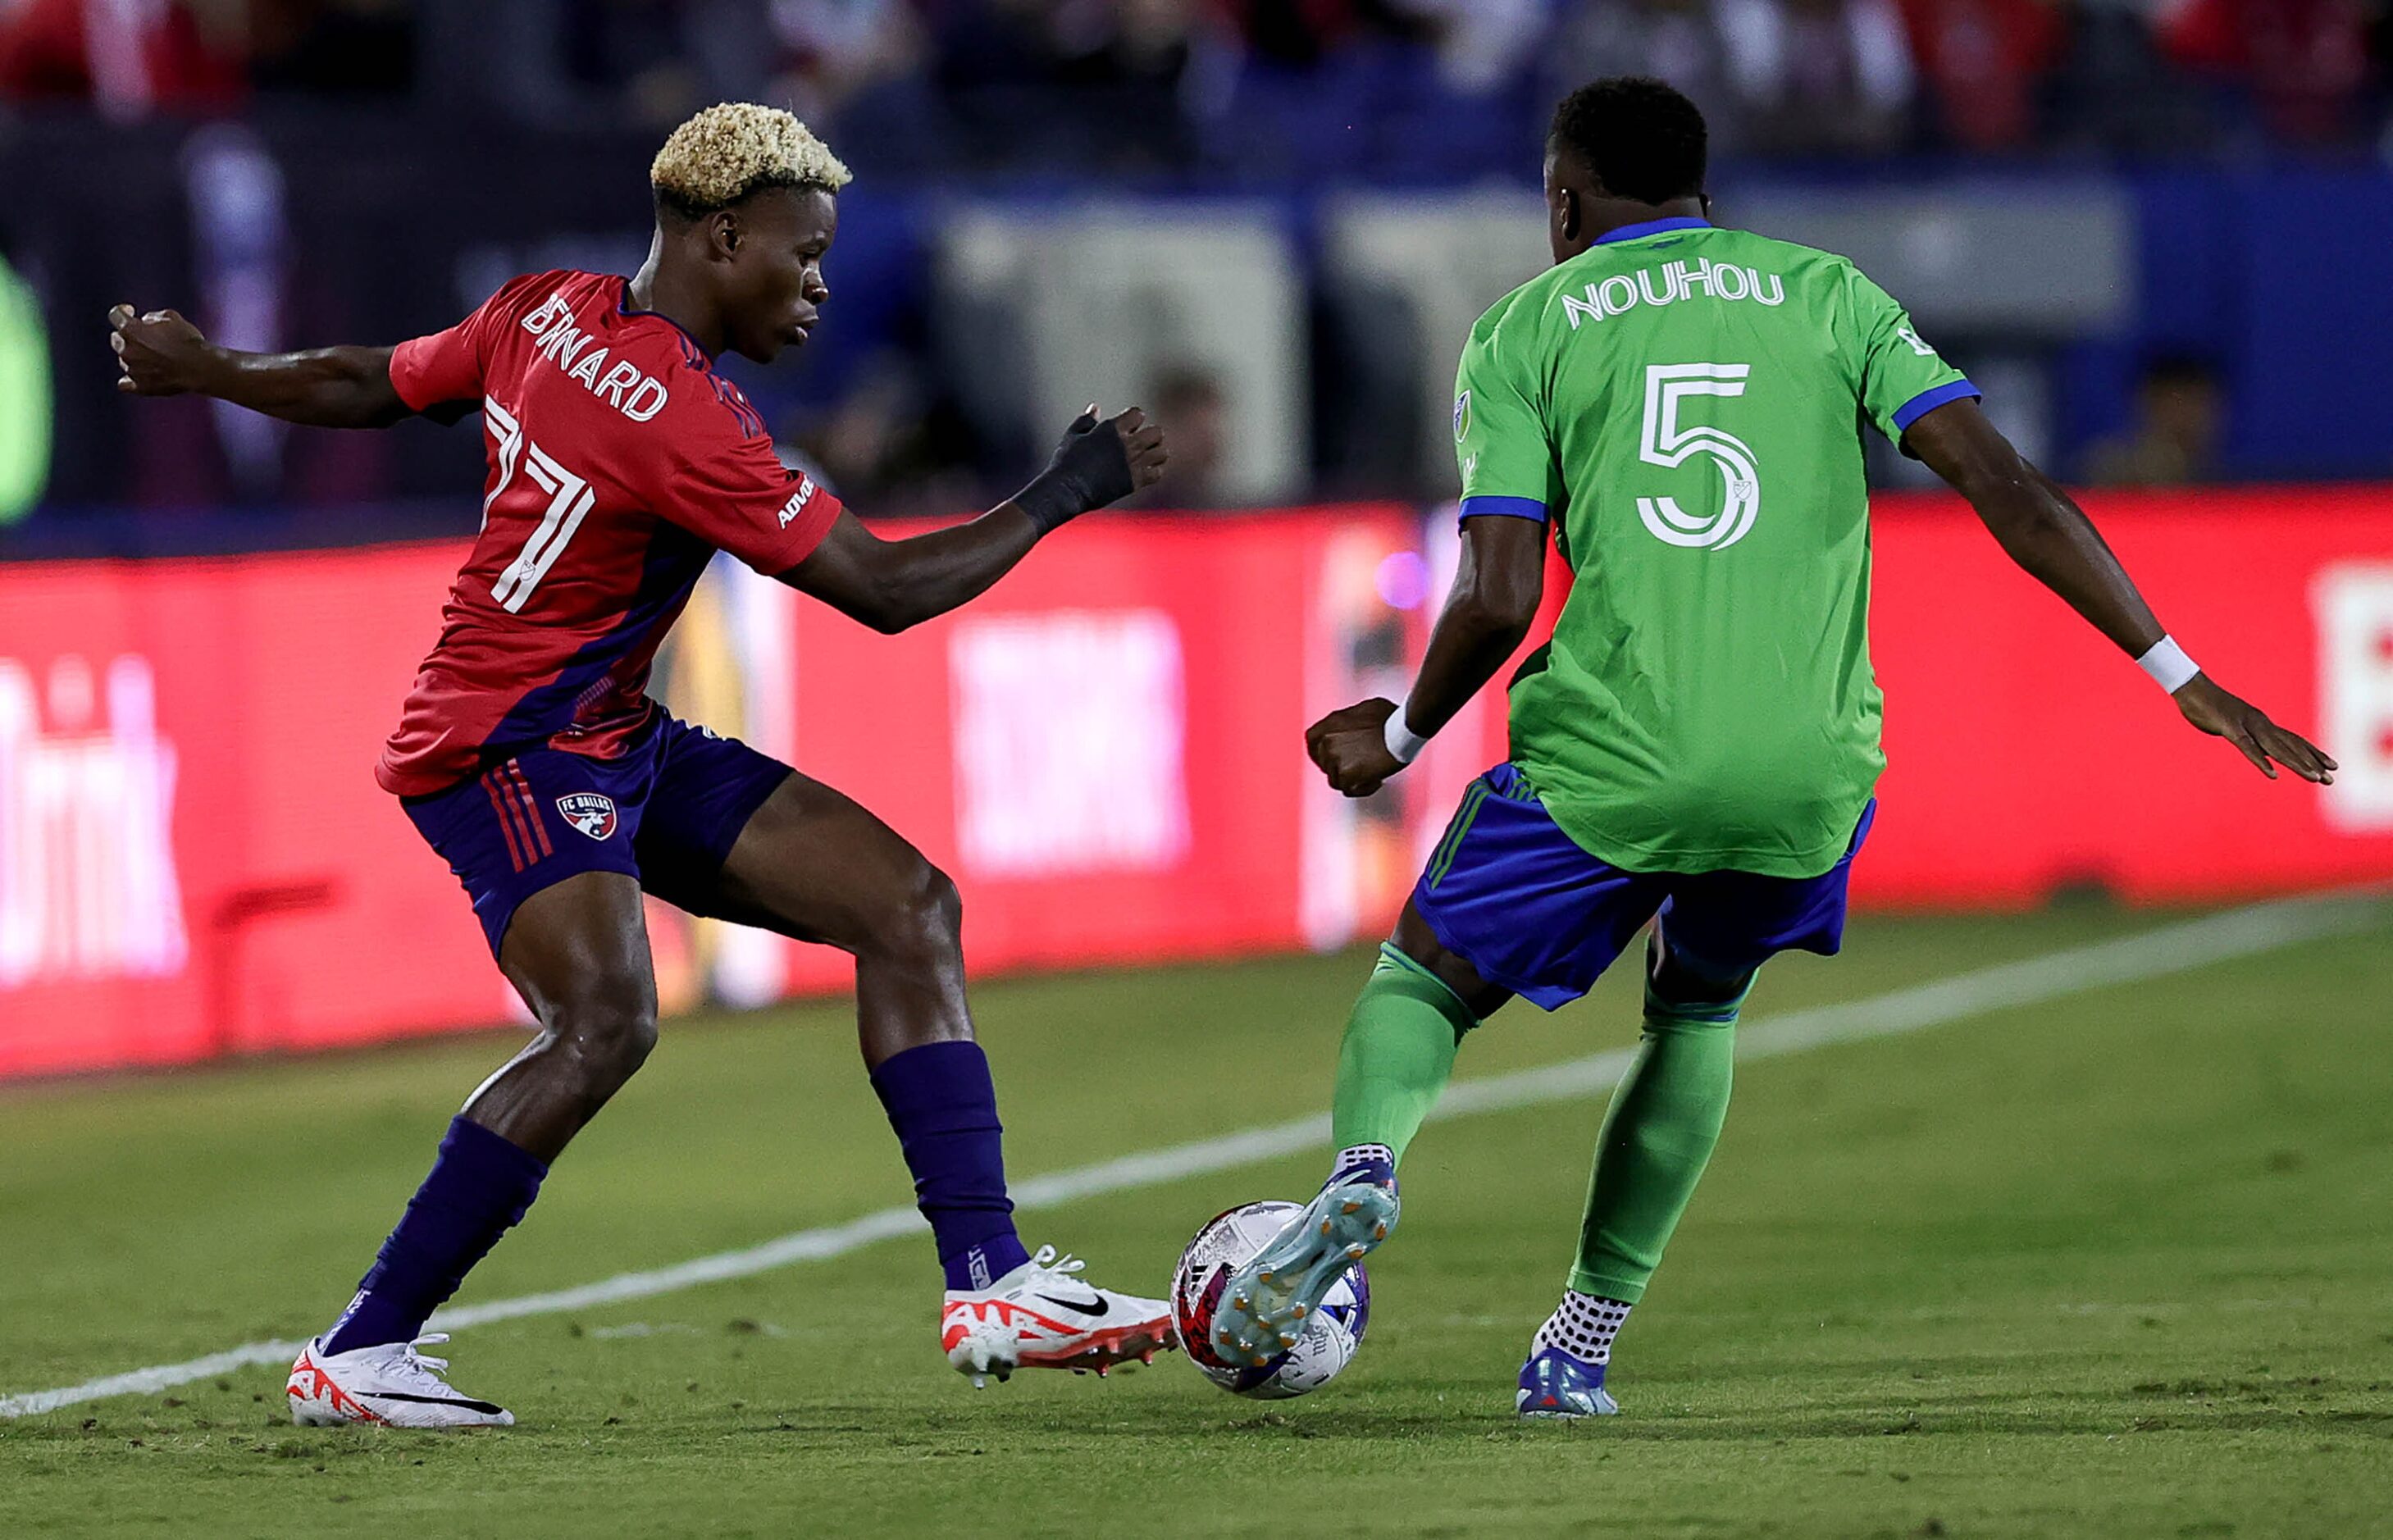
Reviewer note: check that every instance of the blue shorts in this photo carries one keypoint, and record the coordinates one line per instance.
(665, 812)
(1511, 893)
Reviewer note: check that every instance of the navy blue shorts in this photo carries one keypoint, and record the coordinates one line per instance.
(666, 812)
(1511, 893)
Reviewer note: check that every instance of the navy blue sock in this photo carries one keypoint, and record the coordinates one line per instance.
(480, 1186)
(941, 1101)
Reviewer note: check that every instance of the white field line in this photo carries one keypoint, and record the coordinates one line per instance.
(2153, 954)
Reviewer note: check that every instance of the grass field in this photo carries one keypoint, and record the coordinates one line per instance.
(2113, 1264)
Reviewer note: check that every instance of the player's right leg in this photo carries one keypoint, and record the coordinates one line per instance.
(1509, 905)
(563, 913)
(578, 953)
(1394, 1059)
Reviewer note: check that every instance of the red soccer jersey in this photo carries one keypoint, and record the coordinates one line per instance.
(620, 463)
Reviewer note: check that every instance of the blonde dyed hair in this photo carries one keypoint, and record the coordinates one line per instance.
(735, 148)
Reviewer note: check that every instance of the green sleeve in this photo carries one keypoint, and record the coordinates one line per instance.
(1901, 378)
(24, 398)
(1500, 439)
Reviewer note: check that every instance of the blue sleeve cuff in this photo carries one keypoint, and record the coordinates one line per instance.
(1929, 400)
(1504, 507)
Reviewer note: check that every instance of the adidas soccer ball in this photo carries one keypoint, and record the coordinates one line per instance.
(1327, 1345)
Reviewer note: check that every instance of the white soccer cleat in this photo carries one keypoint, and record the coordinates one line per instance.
(1043, 1316)
(1265, 1304)
(391, 1385)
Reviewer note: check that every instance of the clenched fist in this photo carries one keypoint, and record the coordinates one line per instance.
(1349, 746)
(159, 354)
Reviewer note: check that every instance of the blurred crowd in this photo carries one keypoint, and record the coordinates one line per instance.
(1333, 86)
(1323, 93)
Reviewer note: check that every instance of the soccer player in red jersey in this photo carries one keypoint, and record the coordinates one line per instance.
(531, 758)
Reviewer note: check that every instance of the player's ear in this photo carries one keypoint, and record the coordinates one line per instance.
(723, 232)
(1567, 212)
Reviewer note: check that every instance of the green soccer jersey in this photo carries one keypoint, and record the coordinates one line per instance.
(1685, 403)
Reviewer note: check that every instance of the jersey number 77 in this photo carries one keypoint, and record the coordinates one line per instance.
(568, 503)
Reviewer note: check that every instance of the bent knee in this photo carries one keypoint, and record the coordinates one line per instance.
(923, 919)
(934, 909)
(604, 1039)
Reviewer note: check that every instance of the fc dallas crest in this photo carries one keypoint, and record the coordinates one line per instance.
(589, 811)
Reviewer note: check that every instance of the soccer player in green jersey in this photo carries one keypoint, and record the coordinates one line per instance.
(1681, 406)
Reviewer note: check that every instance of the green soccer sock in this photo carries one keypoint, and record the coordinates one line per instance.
(1657, 1137)
(1396, 1055)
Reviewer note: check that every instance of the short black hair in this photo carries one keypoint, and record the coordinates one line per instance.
(1640, 138)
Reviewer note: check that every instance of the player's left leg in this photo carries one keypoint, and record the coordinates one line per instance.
(739, 836)
(1657, 1138)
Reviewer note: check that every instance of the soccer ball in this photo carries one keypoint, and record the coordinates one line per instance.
(1329, 1341)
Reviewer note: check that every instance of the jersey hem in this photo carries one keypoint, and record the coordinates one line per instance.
(409, 784)
(1493, 505)
(808, 532)
(1642, 860)
(397, 387)
(1929, 400)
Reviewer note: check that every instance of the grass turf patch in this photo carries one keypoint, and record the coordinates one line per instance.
(2107, 1265)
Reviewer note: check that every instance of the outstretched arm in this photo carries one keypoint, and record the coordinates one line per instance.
(2042, 529)
(1496, 589)
(161, 354)
(891, 584)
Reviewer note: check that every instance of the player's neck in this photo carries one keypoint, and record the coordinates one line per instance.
(1605, 215)
(655, 288)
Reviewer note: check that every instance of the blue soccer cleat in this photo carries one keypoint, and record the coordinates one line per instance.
(1265, 1303)
(1553, 1384)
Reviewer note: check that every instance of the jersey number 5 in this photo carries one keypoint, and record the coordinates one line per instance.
(568, 503)
(1663, 442)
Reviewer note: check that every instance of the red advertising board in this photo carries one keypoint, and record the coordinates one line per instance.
(193, 857)
(2024, 757)
(1105, 750)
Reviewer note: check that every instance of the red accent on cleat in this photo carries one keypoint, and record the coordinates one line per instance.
(309, 1383)
(1104, 1349)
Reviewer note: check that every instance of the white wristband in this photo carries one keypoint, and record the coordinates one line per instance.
(2168, 665)
(1402, 741)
